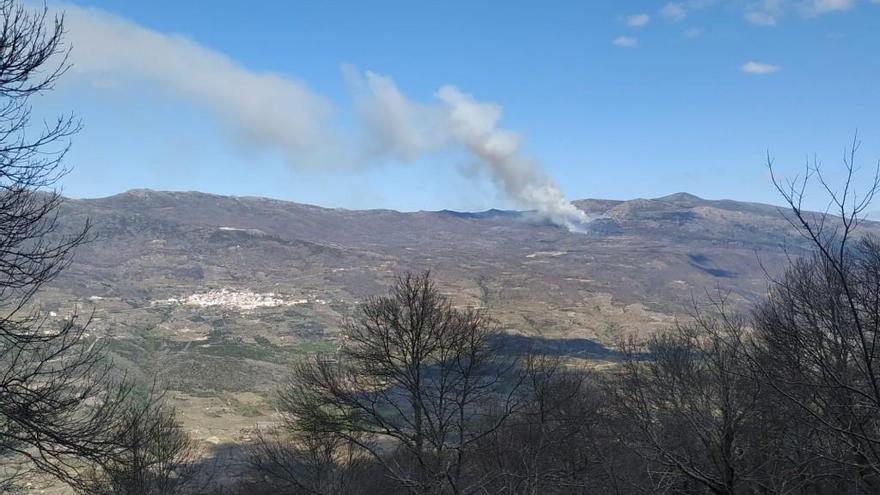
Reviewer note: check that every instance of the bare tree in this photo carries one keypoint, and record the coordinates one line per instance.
(820, 326)
(55, 403)
(155, 456)
(691, 408)
(558, 442)
(309, 462)
(412, 387)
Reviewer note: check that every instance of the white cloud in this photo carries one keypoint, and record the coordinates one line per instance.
(752, 67)
(769, 12)
(679, 10)
(765, 13)
(692, 33)
(638, 20)
(814, 8)
(760, 18)
(673, 11)
(625, 41)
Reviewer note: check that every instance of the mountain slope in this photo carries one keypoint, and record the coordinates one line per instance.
(644, 257)
(218, 295)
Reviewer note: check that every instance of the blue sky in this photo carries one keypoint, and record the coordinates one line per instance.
(609, 99)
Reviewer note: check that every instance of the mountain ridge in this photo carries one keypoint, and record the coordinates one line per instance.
(636, 252)
(680, 198)
(216, 296)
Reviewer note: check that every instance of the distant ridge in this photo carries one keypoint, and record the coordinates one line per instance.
(682, 198)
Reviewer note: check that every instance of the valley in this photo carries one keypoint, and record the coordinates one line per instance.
(217, 296)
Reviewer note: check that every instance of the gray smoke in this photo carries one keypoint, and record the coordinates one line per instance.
(258, 108)
(405, 129)
(475, 125)
(271, 111)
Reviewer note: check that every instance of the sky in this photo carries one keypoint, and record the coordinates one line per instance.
(466, 105)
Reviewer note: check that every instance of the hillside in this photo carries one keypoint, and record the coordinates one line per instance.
(218, 294)
(654, 254)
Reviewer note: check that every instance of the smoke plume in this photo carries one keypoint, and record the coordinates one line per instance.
(258, 108)
(271, 111)
(475, 125)
(405, 129)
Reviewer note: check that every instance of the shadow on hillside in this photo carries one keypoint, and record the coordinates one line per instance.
(581, 348)
(702, 262)
(224, 466)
